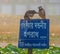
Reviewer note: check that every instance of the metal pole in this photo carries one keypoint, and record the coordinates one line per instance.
(28, 7)
(29, 50)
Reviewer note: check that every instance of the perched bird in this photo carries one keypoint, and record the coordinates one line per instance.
(29, 13)
(41, 12)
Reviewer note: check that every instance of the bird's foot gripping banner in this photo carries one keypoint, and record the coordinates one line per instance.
(34, 33)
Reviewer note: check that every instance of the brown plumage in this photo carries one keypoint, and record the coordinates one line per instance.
(29, 13)
(41, 12)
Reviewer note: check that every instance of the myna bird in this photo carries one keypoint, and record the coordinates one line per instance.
(29, 13)
(41, 12)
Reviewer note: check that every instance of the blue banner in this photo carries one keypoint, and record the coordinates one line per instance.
(34, 33)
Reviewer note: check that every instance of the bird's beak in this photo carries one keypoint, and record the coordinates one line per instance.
(37, 13)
